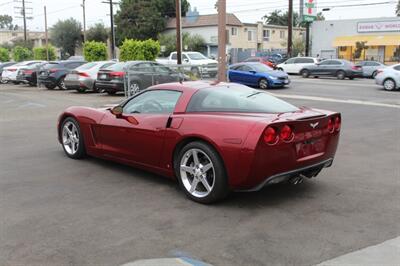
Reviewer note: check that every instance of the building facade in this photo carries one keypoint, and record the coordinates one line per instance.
(8, 36)
(358, 39)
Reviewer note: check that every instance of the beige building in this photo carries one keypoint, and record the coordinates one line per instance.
(7, 36)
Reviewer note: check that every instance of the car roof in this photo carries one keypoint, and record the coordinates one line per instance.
(194, 85)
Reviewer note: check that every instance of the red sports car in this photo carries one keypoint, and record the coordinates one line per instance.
(213, 138)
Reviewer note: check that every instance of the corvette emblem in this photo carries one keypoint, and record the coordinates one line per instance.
(314, 125)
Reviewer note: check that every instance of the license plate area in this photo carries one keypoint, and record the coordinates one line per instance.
(310, 147)
(103, 76)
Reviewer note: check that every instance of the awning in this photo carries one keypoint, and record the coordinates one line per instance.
(369, 40)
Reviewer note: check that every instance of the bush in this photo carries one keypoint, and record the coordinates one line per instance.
(95, 51)
(4, 55)
(190, 42)
(21, 54)
(39, 53)
(139, 50)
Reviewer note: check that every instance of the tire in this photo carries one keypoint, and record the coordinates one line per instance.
(351, 78)
(263, 84)
(389, 84)
(205, 181)
(280, 69)
(81, 90)
(95, 89)
(72, 139)
(374, 74)
(61, 84)
(305, 73)
(16, 82)
(134, 88)
(340, 75)
(32, 84)
(111, 92)
(50, 86)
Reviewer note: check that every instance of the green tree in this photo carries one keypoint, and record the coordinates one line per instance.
(192, 42)
(20, 53)
(138, 19)
(66, 34)
(139, 50)
(39, 53)
(97, 33)
(298, 46)
(6, 22)
(277, 17)
(360, 47)
(4, 55)
(95, 51)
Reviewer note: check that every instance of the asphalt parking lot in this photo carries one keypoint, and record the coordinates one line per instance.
(58, 211)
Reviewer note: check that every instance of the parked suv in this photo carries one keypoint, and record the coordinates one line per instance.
(53, 73)
(339, 68)
(296, 64)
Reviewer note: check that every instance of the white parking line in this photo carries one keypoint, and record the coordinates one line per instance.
(350, 83)
(324, 99)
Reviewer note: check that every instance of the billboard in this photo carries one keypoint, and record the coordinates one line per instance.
(379, 26)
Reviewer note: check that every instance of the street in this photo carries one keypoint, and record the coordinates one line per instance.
(58, 211)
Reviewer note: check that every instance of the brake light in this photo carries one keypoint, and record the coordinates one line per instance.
(117, 74)
(27, 72)
(53, 70)
(355, 67)
(271, 136)
(286, 133)
(83, 74)
(337, 123)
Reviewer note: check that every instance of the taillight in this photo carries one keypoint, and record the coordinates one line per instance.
(53, 70)
(83, 74)
(28, 72)
(117, 74)
(355, 67)
(271, 136)
(337, 123)
(331, 125)
(286, 133)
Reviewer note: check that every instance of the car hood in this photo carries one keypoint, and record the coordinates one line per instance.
(276, 73)
(204, 62)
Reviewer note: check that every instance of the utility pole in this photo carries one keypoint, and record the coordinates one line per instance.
(46, 34)
(22, 11)
(84, 20)
(111, 3)
(290, 29)
(221, 40)
(24, 15)
(178, 32)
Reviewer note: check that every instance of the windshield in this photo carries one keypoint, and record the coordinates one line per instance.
(237, 98)
(261, 68)
(196, 56)
(87, 66)
(116, 67)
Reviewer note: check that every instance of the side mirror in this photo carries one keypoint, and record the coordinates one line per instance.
(186, 60)
(117, 111)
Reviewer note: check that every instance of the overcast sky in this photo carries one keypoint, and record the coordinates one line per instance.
(246, 10)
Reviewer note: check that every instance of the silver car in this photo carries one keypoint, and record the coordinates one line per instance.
(370, 68)
(389, 77)
(84, 77)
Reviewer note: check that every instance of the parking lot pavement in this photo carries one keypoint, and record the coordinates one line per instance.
(58, 211)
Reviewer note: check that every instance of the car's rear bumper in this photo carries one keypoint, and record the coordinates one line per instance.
(75, 84)
(48, 80)
(110, 86)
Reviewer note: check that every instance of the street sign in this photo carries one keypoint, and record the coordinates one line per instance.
(310, 10)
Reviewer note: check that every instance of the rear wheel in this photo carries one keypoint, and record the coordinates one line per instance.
(389, 84)
(72, 139)
(50, 86)
(280, 69)
(134, 88)
(374, 74)
(340, 74)
(81, 90)
(111, 92)
(61, 84)
(263, 84)
(201, 173)
(305, 73)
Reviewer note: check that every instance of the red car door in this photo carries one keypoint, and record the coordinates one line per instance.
(138, 134)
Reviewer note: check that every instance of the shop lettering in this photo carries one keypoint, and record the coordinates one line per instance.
(378, 26)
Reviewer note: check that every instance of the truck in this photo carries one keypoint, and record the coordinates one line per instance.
(195, 62)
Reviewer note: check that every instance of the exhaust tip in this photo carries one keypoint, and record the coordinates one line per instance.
(296, 180)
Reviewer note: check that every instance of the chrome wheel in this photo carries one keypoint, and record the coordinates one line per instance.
(197, 173)
(263, 84)
(70, 138)
(61, 85)
(133, 89)
(389, 84)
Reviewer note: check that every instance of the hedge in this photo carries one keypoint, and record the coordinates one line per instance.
(39, 53)
(20, 53)
(95, 51)
(4, 55)
(139, 50)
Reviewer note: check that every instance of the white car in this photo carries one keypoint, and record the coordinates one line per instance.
(296, 64)
(10, 73)
(389, 77)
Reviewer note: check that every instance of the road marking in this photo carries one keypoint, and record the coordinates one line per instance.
(31, 104)
(386, 253)
(339, 82)
(324, 99)
(167, 262)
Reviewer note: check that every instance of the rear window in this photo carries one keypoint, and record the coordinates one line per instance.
(52, 65)
(116, 67)
(87, 66)
(236, 98)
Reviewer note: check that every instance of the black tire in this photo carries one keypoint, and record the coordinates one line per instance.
(220, 188)
(61, 84)
(134, 87)
(280, 69)
(389, 84)
(263, 84)
(305, 73)
(50, 86)
(351, 78)
(81, 151)
(340, 75)
(32, 84)
(374, 74)
(111, 92)
(16, 82)
(81, 90)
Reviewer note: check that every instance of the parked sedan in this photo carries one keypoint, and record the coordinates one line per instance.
(258, 75)
(212, 138)
(10, 72)
(263, 60)
(296, 64)
(389, 77)
(141, 74)
(84, 77)
(2, 66)
(370, 68)
(28, 74)
(53, 73)
(339, 68)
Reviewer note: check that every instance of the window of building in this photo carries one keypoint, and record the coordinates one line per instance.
(266, 34)
(234, 31)
(282, 34)
(250, 35)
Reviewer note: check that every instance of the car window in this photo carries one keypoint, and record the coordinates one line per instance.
(143, 67)
(303, 61)
(237, 99)
(174, 56)
(373, 64)
(335, 62)
(397, 68)
(290, 61)
(87, 66)
(107, 65)
(73, 65)
(252, 60)
(325, 63)
(161, 69)
(244, 68)
(184, 57)
(153, 102)
(117, 67)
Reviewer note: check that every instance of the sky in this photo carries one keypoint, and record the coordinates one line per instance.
(246, 10)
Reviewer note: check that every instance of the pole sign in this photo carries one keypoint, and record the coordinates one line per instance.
(310, 10)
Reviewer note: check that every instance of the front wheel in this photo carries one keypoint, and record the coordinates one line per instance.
(50, 87)
(374, 74)
(389, 84)
(72, 139)
(201, 173)
(305, 73)
(340, 75)
(263, 84)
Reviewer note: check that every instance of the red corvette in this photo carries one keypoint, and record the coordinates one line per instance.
(213, 138)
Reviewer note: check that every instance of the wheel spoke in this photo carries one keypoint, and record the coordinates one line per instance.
(187, 169)
(205, 184)
(207, 167)
(67, 141)
(195, 157)
(193, 185)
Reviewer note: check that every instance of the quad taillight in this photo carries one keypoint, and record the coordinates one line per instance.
(334, 124)
(272, 135)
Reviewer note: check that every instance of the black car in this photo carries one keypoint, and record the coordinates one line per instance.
(3, 65)
(53, 73)
(142, 74)
(339, 68)
(28, 74)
